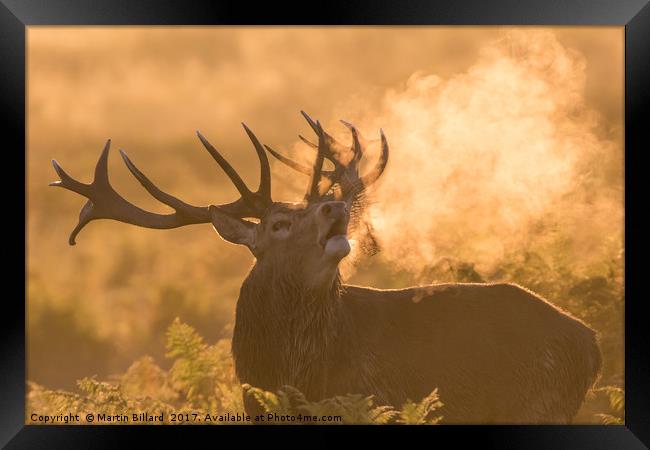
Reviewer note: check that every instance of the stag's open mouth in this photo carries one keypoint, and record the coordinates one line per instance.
(338, 229)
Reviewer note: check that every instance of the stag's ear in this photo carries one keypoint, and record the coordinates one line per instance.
(233, 229)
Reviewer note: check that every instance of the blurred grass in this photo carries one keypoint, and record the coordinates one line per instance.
(200, 383)
(201, 386)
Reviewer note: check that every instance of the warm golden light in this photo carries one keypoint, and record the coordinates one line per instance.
(506, 164)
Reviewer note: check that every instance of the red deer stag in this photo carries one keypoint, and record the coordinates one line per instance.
(497, 352)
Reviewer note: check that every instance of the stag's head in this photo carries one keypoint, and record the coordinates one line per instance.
(308, 238)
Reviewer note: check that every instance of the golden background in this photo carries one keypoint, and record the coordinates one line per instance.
(506, 164)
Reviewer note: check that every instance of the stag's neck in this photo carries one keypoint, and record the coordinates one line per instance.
(285, 332)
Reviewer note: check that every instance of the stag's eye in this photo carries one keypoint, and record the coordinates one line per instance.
(281, 225)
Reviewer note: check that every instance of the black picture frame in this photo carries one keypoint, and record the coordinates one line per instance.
(16, 15)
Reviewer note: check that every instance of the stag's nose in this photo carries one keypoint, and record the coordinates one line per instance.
(333, 210)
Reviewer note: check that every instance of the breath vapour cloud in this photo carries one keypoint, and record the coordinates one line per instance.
(496, 158)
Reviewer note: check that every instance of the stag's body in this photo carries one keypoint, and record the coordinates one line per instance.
(496, 352)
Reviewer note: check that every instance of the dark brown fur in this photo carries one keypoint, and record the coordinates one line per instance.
(497, 353)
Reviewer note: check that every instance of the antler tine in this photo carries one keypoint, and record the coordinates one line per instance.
(376, 172)
(67, 182)
(361, 184)
(101, 174)
(163, 197)
(312, 124)
(101, 169)
(255, 203)
(329, 140)
(313, 188)
(225, 165)
(308, 142)
(85, 216)
(289, 162)
(328, 174)
(265, 169)
(357, 148)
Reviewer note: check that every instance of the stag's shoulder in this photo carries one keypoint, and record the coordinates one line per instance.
(491, 298)
(440, 292)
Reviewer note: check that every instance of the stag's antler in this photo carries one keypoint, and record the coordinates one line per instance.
(105, 203)
(344, 181)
